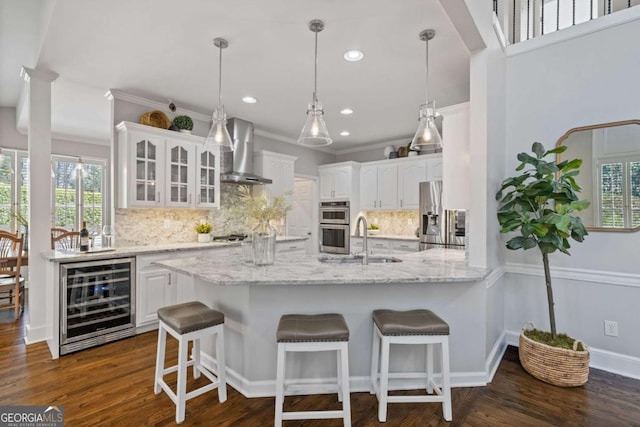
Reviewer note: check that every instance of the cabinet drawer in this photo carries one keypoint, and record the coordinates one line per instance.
(401, 246)
(291, 247)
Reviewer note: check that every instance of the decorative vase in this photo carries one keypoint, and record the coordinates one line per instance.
(264, 243)
(204, 237)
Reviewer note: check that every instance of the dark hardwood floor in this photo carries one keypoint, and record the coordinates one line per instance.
(112, 385)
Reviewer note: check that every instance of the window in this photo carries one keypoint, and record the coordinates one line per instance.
(619, 195)
(78, 193)
(14, 189)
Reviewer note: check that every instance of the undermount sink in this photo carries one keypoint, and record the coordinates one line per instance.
(357, 259)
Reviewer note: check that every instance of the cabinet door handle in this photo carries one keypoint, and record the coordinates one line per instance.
(158, 199)
(189, 198)
(404, 246)
(199, 198)
(375, 204)
(400, 202)
(380, 204)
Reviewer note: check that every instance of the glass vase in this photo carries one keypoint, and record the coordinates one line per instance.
(264, 243)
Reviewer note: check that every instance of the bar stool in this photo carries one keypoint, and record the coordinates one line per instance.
(409, 327)
(189, 322)
(304, 333)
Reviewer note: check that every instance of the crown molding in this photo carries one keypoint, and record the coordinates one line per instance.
(39, 74)
(151, 103)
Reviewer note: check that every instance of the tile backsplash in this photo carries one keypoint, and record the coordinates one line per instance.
(403, 223)
(150, 226)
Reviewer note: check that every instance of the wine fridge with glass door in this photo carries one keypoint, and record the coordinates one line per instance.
(97, 302)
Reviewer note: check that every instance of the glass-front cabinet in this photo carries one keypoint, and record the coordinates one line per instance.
(161, 168)
(208, 177)
(148, 161)
(180, 176)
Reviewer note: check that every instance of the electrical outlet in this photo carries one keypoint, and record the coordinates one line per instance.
(167, 223)
(611, 328)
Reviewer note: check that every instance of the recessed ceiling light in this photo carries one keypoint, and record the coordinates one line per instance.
(346, 111)
(249, 100)
(345, 133)
(353, 55)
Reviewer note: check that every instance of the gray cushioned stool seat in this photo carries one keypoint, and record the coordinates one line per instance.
(312, 328)
(190, 316)
(413, 322)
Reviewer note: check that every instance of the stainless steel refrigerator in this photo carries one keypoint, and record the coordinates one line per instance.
(439, 228)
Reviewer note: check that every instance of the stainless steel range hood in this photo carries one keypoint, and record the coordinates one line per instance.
(237, 166)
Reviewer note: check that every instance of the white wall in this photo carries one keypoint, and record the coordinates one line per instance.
(587, 80)
(307, 160)
(11, 138)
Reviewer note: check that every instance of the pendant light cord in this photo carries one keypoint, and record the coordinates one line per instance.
(220, 77)
(427, 71)
(315, 73)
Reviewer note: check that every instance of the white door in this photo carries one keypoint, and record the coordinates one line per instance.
(300, 219)
(410, 175)
(387, 187)
(327, 184)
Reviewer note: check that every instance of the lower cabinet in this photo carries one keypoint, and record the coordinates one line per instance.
(156, 289)
(383, 246)
(293, 247)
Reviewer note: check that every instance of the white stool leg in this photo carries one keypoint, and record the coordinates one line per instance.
(339, 375)
(222, 367)
(181, 387)
(162, 341)
(384, 380)
(346, 402)
(280, 384)
(446, 384)
(375, 355)
(429, 356)
(195, 354)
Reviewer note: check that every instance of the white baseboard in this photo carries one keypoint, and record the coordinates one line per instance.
(616, 363)
(403, 381)
(495, 357)
(34, 335)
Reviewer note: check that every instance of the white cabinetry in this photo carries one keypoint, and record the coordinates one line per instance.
(279, 168)
(293, 247)
(379, 186)
(339, 180)
(434, 168)
(410, 174)
(161, 168)
(378, 246)
(155, 288)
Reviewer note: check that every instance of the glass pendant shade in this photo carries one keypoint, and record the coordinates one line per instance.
(315, 133)
(218, 134)
(427, 135)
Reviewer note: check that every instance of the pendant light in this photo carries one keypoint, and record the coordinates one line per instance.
(218, 134)
(315, 133)
(427, 135)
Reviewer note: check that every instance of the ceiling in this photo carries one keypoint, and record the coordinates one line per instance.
(163, 49)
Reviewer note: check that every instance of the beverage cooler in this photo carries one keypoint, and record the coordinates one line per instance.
(97, 303)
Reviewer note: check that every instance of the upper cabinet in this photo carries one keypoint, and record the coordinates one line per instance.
(393, 184)
(161, 168)
(279, 168)
(339, 181)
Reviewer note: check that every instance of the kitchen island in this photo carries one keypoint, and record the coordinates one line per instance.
(253, 299)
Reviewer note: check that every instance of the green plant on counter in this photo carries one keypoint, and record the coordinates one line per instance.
(183, 122)
(260, 208)
(538, 204)
(203, 228)
(373, 227)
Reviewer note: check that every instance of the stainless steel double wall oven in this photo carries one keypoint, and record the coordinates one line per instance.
(334, 227)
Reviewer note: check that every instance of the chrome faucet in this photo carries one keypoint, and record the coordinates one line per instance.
(361, 218)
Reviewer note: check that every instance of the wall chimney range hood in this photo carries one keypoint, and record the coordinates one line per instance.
(237, 165)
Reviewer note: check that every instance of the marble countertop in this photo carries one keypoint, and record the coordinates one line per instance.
(435, 265)
(389, 237)
(99, 253)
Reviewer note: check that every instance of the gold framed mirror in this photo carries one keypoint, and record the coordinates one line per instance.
(609, 175)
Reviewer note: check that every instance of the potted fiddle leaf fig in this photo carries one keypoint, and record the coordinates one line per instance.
(539, 205)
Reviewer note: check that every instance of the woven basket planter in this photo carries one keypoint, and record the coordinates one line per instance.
(553, 365)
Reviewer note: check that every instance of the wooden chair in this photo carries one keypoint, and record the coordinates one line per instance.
(64, 240)
(11, 283)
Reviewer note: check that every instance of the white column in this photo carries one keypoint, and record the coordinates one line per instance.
(39, 327)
